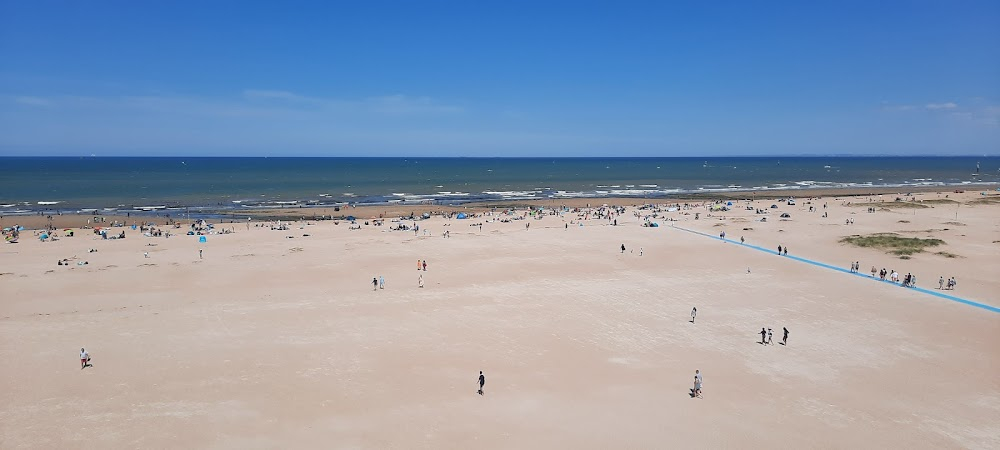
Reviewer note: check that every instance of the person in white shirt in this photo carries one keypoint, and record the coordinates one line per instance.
(697, 383)
(84, 359)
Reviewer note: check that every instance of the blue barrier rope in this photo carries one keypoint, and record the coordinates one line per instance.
(840, 269)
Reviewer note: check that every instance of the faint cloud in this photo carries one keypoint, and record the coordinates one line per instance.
(263, 94)
(32, 101)
(401, 104)
(935, 106)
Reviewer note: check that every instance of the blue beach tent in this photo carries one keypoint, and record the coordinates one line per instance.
(462, 216)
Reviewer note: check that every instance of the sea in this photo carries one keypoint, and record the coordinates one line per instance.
(29, 185)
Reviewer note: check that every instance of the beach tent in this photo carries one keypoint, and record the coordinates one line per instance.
(786, 215)
(202, 239)
(351, 218)
(774, 206)
(461, 216)
(729, 203)
(654, 224)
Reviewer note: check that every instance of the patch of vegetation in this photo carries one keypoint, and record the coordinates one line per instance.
(902, 205)
(904, 257)
(947, 255)
(938, 201)
(984, 201)
(892, 243)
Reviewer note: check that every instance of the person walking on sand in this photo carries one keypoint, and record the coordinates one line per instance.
(420, 281)
(425, 265)
(200, 253)
(697, 383)
(784, 337)
(640, 251)
(623, 249)
(941, 283)
(763, 336)
(874, 270)
(381, 282)
(786, 250)
(769, 335)
(694, 313)
(418, 264)
(84, 359)
(779, 250)
(374, 284)
(742, 241)
(482, 381)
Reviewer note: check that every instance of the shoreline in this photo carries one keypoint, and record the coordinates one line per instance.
(64, 219)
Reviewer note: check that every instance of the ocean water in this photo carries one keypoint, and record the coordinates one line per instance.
(30, 184)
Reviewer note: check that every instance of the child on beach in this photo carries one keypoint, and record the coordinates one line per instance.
(84, 359)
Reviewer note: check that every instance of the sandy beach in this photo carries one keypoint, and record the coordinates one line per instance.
(277, 339)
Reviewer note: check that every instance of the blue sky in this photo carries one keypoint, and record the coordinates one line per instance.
(498, 78)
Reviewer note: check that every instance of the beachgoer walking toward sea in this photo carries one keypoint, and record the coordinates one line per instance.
(425, 265)
(763, 336)
(742, 241)
(941, 283)
(784, 337)
(84, 359)
(381, 282)
(374, 284)
(786, 250)
(874, 270)
(769, 341)
(697, 383)
(694, 313)
(779, 250)
(482, 381)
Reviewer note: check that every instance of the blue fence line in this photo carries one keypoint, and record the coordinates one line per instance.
(840, 269)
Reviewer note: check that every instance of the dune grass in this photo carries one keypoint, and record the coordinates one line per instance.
(892, 243)
(891, 205)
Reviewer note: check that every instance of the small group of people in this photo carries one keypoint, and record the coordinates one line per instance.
(378, 283)
(909, 280)
(422, 264)
(949, 284)
(856, 267)
(766, 336)
(783, 249)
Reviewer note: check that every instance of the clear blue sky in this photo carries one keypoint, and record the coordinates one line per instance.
(494, 78)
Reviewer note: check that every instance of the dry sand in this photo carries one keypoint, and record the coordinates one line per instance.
(277, 342)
